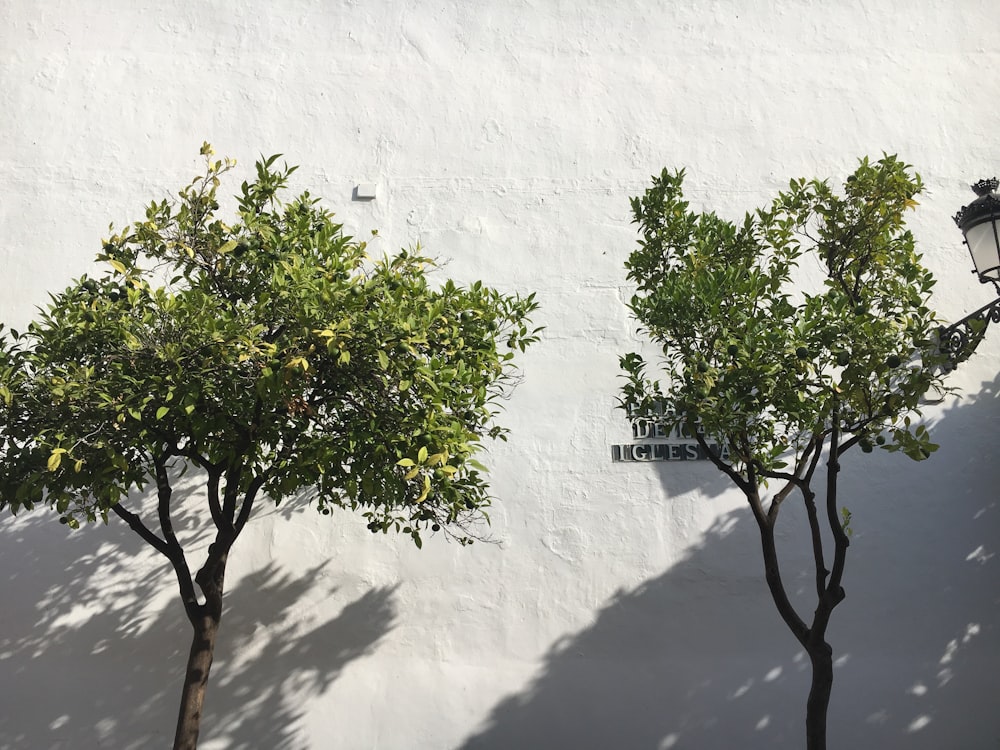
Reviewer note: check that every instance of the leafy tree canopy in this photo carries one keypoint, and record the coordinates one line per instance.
(272, 353)
(754, 355)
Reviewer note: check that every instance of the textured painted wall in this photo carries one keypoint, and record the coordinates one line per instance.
(624, 606)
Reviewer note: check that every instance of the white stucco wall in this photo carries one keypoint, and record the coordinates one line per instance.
(624, 606)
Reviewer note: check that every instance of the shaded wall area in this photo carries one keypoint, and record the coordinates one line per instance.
(698, 657)
(93, 642)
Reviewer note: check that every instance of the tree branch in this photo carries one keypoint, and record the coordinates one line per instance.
(234, 473)
(833, 593)
(135, 523)
(256, 483)
(772, 573)
(840, 538)
(727, 469)
(819, 561)
(214, 474)
(174, 553)
(848, 444)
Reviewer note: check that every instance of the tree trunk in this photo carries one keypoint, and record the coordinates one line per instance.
(195, 680)
(205, 619)
(821, 657)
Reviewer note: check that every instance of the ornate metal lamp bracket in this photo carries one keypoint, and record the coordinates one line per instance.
(959, 340)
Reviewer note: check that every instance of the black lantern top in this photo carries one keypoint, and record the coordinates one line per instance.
(980, 223)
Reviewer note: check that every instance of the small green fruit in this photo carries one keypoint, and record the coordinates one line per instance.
(435, 527)
(892, 361)
(702, 367)
(802, 353)
(866, 446)
(843, 358)
(733, 350)
(880, 440)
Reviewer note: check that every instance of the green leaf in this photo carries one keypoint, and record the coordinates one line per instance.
(162, 412)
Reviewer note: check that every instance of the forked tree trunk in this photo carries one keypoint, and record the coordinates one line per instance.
(205, 619)
(818, 702)
(812, 639)
(195, 681)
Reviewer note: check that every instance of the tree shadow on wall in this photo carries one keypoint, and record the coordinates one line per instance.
(698, 657)
(640, 676)
(92, 654)
(288, 665)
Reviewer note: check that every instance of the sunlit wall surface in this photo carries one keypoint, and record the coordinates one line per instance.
(623, 605)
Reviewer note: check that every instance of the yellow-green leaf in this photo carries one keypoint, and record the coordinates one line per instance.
(411, 473)
(383, 360)
(228, 247)
(427, 489)
(422, 455)
(55, 459)
(118, 266)
(162, 412)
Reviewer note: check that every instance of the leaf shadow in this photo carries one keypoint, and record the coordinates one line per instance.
(93, 643)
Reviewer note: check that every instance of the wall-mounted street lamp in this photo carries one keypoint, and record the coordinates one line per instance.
(980, 223)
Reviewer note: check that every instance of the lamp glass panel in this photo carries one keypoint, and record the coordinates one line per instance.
(982, 241)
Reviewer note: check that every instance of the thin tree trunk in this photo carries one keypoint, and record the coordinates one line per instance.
(195, 681)
(205, 619)
(821, 657)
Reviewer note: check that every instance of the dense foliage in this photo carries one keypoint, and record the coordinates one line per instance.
(272, 350)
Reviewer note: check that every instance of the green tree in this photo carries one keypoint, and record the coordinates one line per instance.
(788, 339)
(272, 357)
